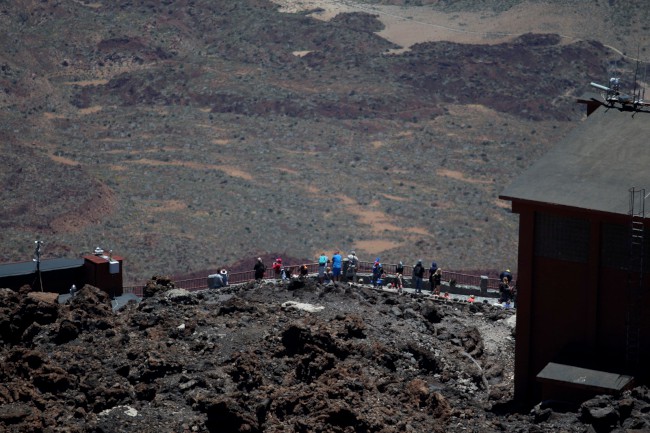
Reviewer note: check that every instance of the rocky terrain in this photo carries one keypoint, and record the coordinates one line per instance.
(268, 357)
(190, 134)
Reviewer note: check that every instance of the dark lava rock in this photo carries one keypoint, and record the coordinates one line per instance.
(337, 358)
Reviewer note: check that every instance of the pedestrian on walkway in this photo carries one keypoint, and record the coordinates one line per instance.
(328, 277)
(353, 266)
(436, 282)
(399, 269)
(337, 263)
(377, 270)
(259, 269)
(432, 271)
(399, 282)
(322, 263)
(277, 268)
(418, 276)
(505, 291)
(506, 274)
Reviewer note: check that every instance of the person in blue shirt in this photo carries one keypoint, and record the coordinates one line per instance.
(337, 263)
(377, 270)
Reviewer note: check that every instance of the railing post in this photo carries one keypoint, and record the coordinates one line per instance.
(484, 285)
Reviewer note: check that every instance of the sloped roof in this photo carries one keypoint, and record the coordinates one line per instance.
(594, 167)
(27, 268)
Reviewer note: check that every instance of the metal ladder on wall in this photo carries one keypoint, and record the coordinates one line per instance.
(635, 280)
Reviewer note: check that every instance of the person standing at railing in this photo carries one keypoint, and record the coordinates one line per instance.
(224, 277)
(337, 263)
(399, 282)
(377, 270)
(277, 268)
(286, 273)
(418, 276)
(506, 291)
(436, 282)
(259, 269)
(432, 272)
(353, 266)
(215, 281)
(322, 263)
(506, 274)
(328, 277)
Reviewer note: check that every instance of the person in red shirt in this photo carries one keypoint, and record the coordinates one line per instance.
(277, 267)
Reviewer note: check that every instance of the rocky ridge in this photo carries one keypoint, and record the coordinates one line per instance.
(272, 357)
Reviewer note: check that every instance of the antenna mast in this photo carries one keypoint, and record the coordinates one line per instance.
(635, 97)
(37, 259)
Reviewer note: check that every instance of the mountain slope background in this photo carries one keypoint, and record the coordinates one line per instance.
(186, 135)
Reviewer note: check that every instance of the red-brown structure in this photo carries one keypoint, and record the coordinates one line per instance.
(104, 272)
(58, 275)
(582, 284)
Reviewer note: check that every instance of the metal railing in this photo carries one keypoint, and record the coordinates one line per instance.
(201, 283)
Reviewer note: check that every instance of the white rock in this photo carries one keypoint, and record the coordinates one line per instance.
(302, 306)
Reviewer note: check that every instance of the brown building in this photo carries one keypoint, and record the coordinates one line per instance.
(583, 259)
(58, 275)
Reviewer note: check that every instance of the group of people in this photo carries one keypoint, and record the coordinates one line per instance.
(281, 272)
(329, 270)
(339, 267)
(435, 276)
(328, 273)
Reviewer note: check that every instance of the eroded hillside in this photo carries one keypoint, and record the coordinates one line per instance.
(187, 135)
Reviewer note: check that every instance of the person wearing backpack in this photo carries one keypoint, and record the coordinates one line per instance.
(322, 263)
(432, 272)
(377, 271)
(353, 265)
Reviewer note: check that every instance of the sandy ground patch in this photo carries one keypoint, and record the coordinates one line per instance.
(51, 116)
(91, 110)
(376, 246)
(453, 174)
(163, 205)
(235, 172)
(63, 160)
(229, 170)
(394, 197)
(409, 25)
(85, 83)
(289, 171)
(369, 215)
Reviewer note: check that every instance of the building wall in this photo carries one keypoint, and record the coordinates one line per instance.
(572, 293)
(56, 280)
